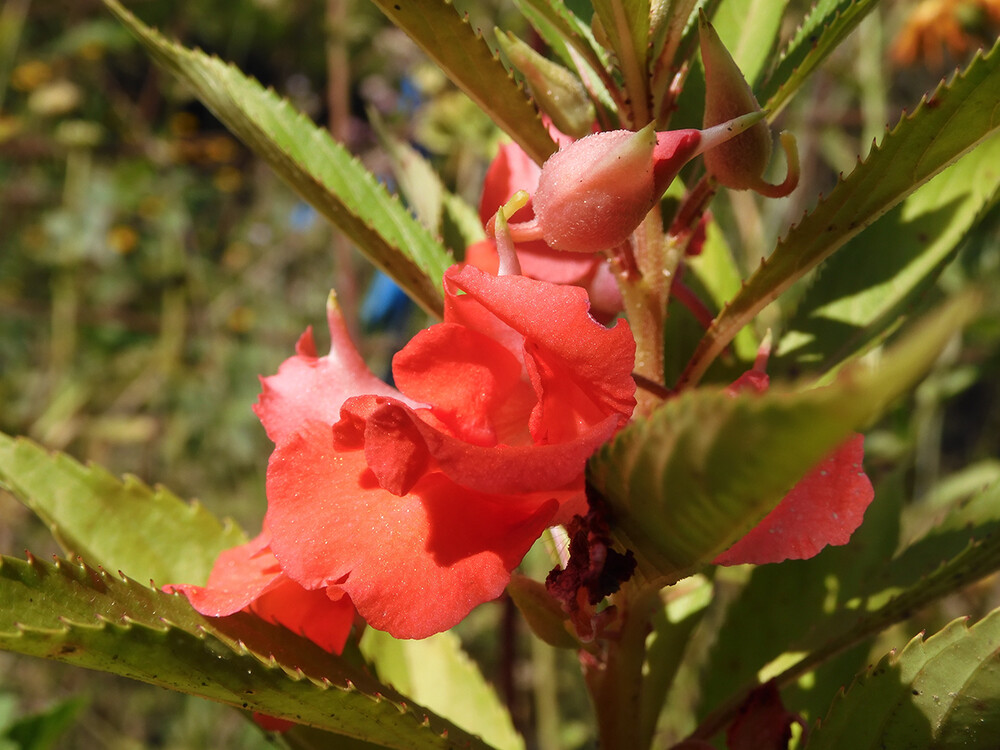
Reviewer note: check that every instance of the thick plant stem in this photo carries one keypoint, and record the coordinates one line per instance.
(645, 292)
(615, 682)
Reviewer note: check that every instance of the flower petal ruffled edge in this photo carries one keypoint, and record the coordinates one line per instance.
(824, 508)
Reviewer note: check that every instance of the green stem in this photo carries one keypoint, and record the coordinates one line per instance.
(615, 682)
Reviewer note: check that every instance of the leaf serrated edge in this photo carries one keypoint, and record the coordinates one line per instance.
(78, 572)
(724, 327)
(782, 94)
(540, 150)
(411, 270)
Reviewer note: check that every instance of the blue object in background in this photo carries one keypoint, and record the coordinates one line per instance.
(386, 305)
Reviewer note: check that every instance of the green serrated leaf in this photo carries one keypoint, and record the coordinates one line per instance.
(944, 127)
(685, 483)
(454, 688)
(754, 631)
(314, 164)
(942, 693)
(824, 28)
(464, 56)
(90, 618)
(863, 290)
(121, 525)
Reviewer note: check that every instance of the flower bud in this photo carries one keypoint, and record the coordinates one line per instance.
(739, 163)
(595, 192)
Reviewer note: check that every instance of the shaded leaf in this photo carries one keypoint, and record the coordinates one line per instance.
(863, 290)
(454, 688)
(684, 484)
(945, 126)
(626, 24)
(943, 692)
(319, 168)
(462, 53)
(90, 618)
(122, 525)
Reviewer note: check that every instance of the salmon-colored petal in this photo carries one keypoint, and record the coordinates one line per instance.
(311, 387)
(413, 565)
(551, 324)
(249, 577)
(825, 508)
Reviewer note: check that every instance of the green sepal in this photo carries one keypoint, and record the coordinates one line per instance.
(319, 168)
(559, 92)
(122, 525)
(462, 53)
(90, 618)
(685, 483)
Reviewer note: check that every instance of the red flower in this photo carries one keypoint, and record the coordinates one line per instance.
(416, 504)
(512, 170)
(249, 577)
(824, 508)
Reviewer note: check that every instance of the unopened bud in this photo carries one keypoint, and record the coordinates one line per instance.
(595, 192)
(739, 163)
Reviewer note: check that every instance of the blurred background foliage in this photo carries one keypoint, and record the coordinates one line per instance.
(151, 268)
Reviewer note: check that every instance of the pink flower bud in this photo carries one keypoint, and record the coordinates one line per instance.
(595, 192)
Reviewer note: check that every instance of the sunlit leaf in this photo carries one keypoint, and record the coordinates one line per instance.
(955, 118)
(322, 170)
(121, 525)
(682, 485)
(461, 52)
(454, 688)
(942, 692)
(824, 28)
(90, 618)
(863, 290)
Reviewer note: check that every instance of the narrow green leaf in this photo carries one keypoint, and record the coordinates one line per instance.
(942, 693)
(863, 290)
(449, 40)
(951, 122)
(150, 534)
(749, 29)
(418, 183)
(827, 25)
(626, 24)
(454, 688)
(688, 481)
(573, 41)
(557, 90)
(314, 164)
(90, 618)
